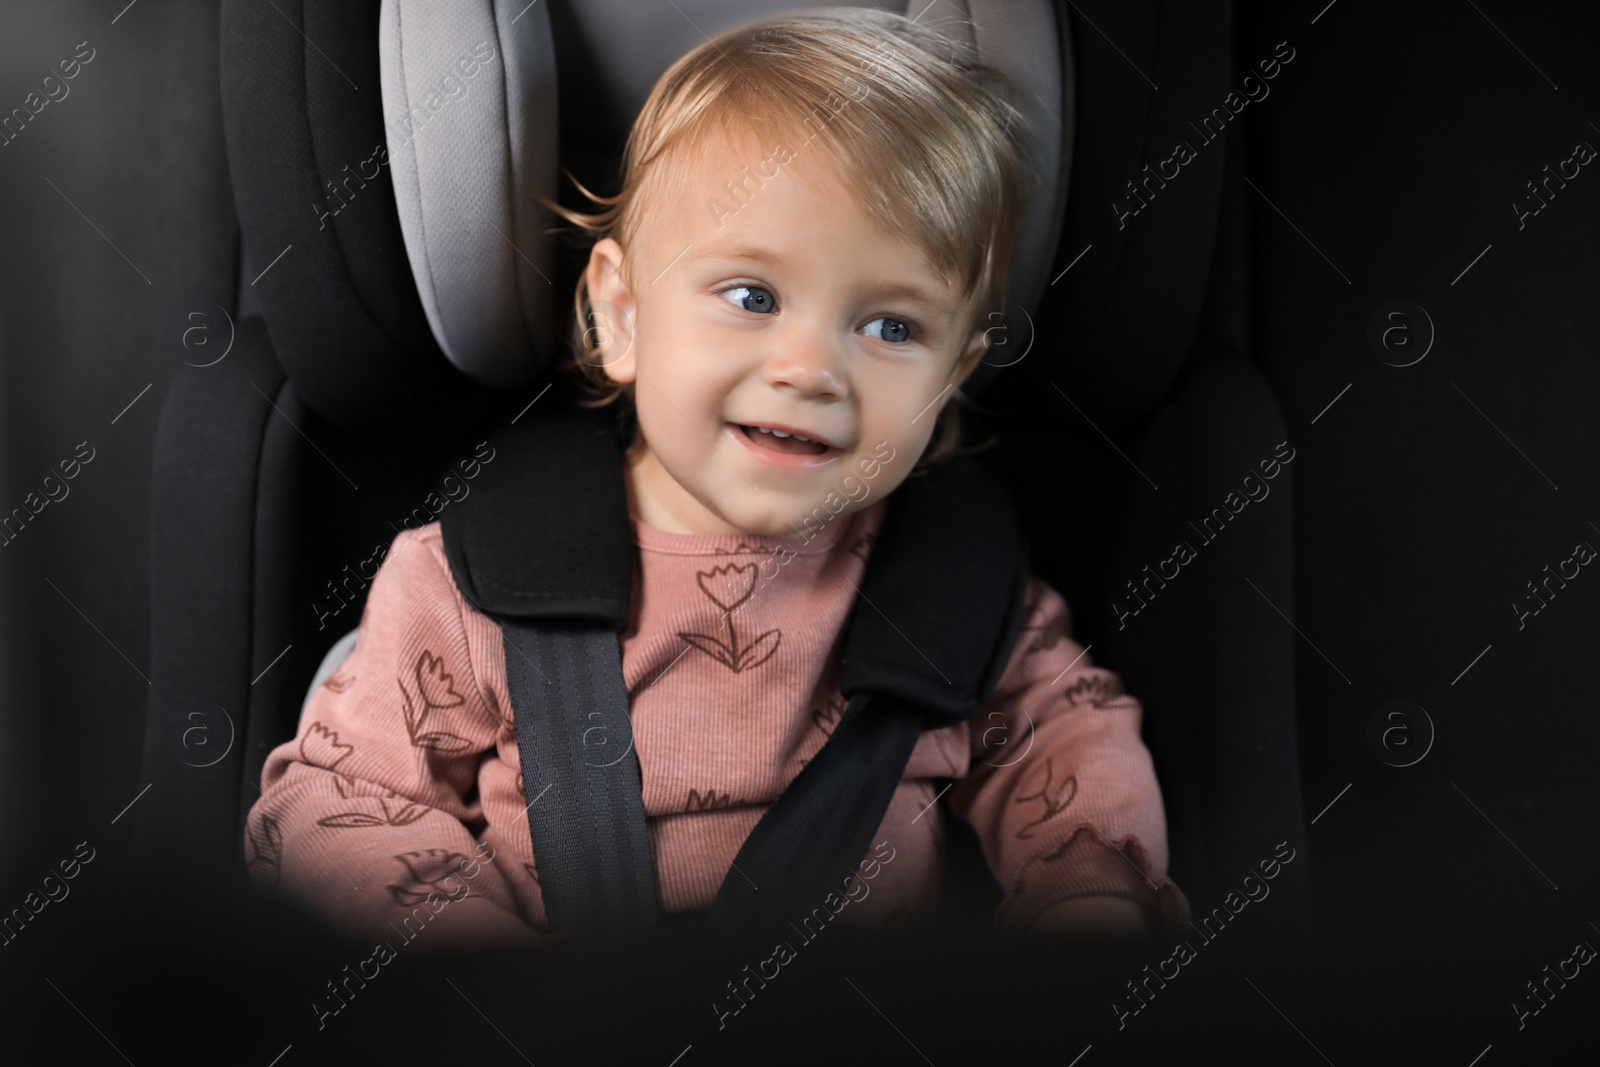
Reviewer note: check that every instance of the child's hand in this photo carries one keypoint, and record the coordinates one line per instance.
(1093, 915)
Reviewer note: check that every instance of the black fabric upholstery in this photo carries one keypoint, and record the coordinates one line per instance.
(1429, 496)
(207, 477)
(262, 518)
(1209, 652)
(92, 336)
(1118, 352)
(1207, 656)
(305, 135)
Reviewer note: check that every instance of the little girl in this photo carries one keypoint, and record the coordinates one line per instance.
(817, 213)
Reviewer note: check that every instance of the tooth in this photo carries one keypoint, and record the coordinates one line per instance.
(807, 440)
(780, 433)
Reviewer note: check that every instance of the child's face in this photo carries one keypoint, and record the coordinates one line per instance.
(795, 311)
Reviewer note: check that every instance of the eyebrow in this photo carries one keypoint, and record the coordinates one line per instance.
(927, 298)
(733, 251)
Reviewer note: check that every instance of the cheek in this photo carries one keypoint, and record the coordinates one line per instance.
(900, 405)
(890, 474)
(682, 386)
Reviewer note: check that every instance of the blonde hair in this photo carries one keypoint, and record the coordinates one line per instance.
(926, 134)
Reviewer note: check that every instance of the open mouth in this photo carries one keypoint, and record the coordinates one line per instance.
(779, 441)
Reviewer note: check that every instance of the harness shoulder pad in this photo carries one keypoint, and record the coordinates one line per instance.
(943, 594)
(544, 536)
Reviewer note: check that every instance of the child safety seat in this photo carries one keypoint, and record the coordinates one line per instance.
(401, 296)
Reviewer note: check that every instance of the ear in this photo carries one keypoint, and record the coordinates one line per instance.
(612, 307)
(976, 347)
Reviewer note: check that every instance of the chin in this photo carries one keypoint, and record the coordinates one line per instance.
(772, 527)
(789, 522)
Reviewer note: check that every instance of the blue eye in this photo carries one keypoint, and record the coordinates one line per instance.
(895, 330)
(751, 298)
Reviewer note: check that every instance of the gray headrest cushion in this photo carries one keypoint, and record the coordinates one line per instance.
(469, 98)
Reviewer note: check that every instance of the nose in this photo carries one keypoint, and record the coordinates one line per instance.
(809, 362)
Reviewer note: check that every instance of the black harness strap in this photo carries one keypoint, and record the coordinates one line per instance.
(809, 841)
(581, 775)
(543, 548)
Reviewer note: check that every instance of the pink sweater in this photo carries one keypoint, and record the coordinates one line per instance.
(402, 784)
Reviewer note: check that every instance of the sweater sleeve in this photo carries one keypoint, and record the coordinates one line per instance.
(371, 814)
(1061, 790)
